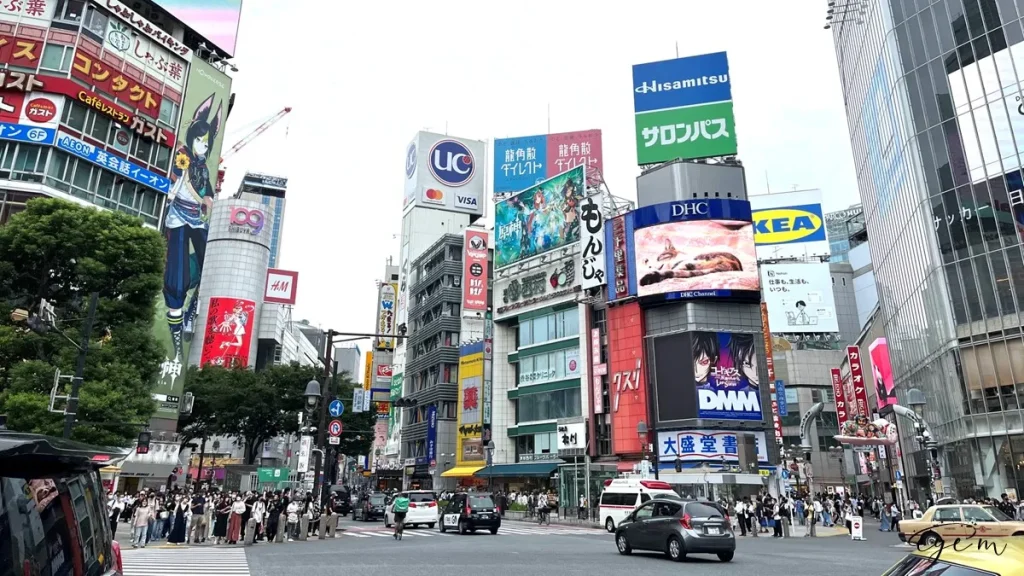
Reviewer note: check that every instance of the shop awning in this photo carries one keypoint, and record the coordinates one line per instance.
(461, 471)
(520, 470)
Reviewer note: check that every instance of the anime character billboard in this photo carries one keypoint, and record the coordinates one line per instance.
(229, 325)
(727, 376)
(193, 172)
(541, 218)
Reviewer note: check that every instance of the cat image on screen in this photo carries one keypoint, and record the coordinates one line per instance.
(701, 265)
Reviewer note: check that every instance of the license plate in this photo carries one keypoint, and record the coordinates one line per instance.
(714, 530)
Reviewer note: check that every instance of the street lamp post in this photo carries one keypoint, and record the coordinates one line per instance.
(641, 432)
(490, 462)
(917, 402)
(312, 398)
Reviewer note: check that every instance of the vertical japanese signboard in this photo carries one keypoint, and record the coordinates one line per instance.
(592, 243)
(842, 410)
(597, 370)
(388, 296)
(368, 372)
(474, 272)
(769, 359)
(860, 395)
(469, 417)
(432, 435)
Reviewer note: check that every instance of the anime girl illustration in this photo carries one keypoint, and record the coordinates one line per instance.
(187, 224)
(234, 324)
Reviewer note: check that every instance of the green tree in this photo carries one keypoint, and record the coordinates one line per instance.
(62, 252)
(357, 435)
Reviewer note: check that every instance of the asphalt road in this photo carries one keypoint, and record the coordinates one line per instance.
(520, 549)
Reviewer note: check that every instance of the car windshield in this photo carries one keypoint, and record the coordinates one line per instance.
(55, 523)
(698, 510)
(377, 500)
(422, 497)
(481, 502)
(997, 513)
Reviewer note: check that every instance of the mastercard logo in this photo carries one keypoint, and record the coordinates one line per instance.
(434, 196)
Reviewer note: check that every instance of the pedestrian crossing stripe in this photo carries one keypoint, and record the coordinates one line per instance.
(191, 561)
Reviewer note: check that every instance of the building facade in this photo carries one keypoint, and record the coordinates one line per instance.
(845, 229)
(931, 96)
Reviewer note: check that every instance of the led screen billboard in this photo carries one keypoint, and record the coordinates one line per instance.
(695, 249)
(215, 20)
(541, 218)
(228, 335)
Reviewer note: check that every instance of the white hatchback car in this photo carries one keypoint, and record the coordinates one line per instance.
(422, 509)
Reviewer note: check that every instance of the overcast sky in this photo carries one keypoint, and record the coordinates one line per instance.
(363, 78)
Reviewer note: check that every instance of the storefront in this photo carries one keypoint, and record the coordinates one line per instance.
(160, 467)
(521, 476)
(388, 477)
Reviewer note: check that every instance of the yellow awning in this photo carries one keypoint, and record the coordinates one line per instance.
(110, 470)
(461, 471)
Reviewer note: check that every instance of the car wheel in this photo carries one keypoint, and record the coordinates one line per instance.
(1018, 534)
(494, 530)
(431, 526)
(441, 525)
(623, 544)
(462, 527)
(609, 524)
(725, 556)
(931, 539)
(675, 549)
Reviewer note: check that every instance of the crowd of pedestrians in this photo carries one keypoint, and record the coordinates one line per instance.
(221, 517)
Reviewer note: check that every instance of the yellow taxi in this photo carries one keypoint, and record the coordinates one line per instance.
(964, 557)
(949, 521)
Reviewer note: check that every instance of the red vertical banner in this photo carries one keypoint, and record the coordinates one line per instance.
(474, 273)
(229, 325)
(842, 412)
(619, 257)
(860, 394)
(770, 361)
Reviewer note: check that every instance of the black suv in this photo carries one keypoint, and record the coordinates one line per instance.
(342, 500)
(469, 512)
(370, 507)
(53, 511)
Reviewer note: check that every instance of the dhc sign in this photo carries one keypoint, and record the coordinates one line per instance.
(730, 404)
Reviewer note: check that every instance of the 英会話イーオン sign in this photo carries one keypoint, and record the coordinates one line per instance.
(683, 109)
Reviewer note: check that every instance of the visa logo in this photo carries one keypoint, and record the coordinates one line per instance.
(466, 200)
(788, 225)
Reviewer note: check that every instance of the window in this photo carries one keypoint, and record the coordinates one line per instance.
(644, 512)
(57, 57)
(58, 165)
(947, 515)
(792, 395)
(551, 366)
(976, 514)
(143, 149)
(95, 22)
(69, 10)
(168, 112)
(74, 116)
(83, 176)
(551, 327)
(666, 509)
(100, 128)
(550, 405)
(26, 159)
(618, 499)
(700, 510)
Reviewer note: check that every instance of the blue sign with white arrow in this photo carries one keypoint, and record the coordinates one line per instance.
(336, 408)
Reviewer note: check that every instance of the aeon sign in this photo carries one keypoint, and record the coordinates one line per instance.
(246, 221)
(451, 163)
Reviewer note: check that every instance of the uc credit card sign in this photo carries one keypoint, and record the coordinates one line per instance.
(681, 82)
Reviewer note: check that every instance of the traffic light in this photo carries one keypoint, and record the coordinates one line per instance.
(679, 465)
(143, 445)
(406, 403)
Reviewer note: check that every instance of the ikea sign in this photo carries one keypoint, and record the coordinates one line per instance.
(789, 225)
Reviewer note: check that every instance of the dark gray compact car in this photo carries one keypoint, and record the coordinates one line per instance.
(677, 528)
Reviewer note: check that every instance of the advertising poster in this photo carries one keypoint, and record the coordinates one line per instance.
(432, 435)
(790, 225)
(469, 416)
(524, 161)
(690, 248)
(474, 273)
(368, 372)
(539, 288)
(726, 374)
(683, 109)
(215, 20)
(706, 446)
(229, 324)
(194, 174)
(627, 376)
(799, 297)
(446, 173)
(388, 297)
(539, 219)
(885, 387)
(394, 422)
(592, 260)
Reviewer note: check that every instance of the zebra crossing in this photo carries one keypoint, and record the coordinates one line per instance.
(194, 562)
(505, 530)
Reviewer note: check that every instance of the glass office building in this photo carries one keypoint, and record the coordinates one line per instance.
(936, 120)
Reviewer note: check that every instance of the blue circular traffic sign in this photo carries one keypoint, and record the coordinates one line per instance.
(336, 408)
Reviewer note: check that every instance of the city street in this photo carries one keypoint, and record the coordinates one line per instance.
(519, 548)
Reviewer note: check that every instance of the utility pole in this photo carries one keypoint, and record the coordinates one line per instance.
(76, 383)
(321, 433)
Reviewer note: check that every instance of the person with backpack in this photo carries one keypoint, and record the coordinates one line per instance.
(400, 507)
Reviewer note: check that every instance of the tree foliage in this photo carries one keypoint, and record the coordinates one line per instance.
(62, 252)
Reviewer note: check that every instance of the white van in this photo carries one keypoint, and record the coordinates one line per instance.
(622, 495)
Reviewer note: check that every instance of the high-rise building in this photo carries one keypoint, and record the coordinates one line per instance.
(270, 191)
(932, 98)
(845, 231)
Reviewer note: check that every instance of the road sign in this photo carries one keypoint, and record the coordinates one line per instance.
(334, 428)
(334, 440)
(336, 408)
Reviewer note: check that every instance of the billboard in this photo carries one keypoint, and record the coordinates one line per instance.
(470, 408)
(539, 219)
(592, 260)
(542, 286)
(839, 391)
(881, 367)
(799, 298)
(215, 20)
(860, 394)
(683, 109)
(387, 297)
(789, 225)
(186, 225)
(445, 173)
(229, 324)
(524, 161)
(695, 249)
(368, 372)
(474, 271)
(705, 446)
(726, 374)
(432, 435)
(394, 420)
(627, 379)
(282, 286)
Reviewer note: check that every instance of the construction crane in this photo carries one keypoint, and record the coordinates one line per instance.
(248, 138)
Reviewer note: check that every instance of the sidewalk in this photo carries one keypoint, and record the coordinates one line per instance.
(555, 519)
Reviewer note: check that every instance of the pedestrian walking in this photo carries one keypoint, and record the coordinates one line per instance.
(293, 520)
(220, 523)
(235, 521)
(140, 523)
(259, 510)
(198, 528)
(179, 532)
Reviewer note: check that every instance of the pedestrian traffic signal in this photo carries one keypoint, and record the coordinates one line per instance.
(143, 446)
